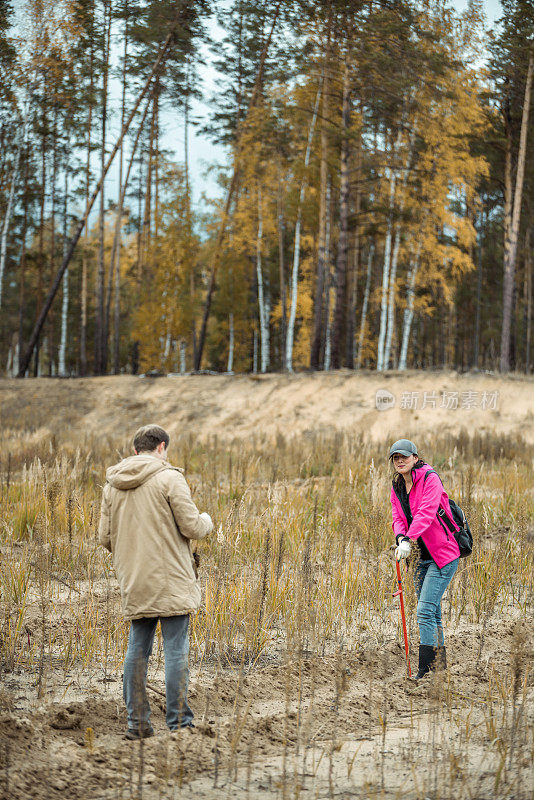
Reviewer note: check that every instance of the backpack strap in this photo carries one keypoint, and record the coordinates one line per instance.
(441, 513)
(429, 472)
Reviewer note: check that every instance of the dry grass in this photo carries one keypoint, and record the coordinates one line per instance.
(297, 581)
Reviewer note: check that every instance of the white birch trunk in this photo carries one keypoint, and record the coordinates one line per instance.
(365, 303)
(255, 353)
(391, 299)
(7, 220)
(230, 365)
(16, 358)
(182, 357)
(64, 319)
(408, 311)
(262, 304)
(10, 365)
(168, 342)
(385, 277)
(395, 259)
(290, 337)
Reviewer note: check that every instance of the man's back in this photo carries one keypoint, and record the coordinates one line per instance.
(147, 521)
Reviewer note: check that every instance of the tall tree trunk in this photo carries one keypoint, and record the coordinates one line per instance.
(395, 260)
(281, 264)
(385, 273)
(62, 369)
(391, 295)
(7, 218)
(22, 263)
(408, 311)
(512, 228)
(42, 200)
(140, 183)
(528, 270)
(479, 291)
(188, 221)
(317, 347)
(365, 303)
(296, 245)
(340, 316)
(230, 364)
(116, 261)
(255, 352)
(83, 299)
(53, 238)
(156, 166)
(330, 280)
(99, 321)
(147, 216)
(263, 304)
(352, 284)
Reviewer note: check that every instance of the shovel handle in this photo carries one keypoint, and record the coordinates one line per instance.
(398, 594)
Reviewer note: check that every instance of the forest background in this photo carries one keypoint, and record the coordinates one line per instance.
(373, 210)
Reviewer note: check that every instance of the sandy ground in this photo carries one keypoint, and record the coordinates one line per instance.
(347, 725)
(414, 403)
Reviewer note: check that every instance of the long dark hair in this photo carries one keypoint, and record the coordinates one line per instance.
(397, 475)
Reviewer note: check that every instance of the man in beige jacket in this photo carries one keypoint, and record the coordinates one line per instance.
(147, 521)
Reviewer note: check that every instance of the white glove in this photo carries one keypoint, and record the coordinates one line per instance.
(403, 549)
(206, 517)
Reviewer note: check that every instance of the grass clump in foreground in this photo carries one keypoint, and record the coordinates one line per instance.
(297, 580)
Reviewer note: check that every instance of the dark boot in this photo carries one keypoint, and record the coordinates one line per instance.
(441, 658)
(139, 733)
(427, 656)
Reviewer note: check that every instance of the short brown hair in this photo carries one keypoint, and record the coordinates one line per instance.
(149, 437)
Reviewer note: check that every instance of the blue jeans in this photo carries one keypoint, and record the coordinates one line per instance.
(430, 584)
(175, 632)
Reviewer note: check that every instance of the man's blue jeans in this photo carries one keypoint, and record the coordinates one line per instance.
(430, 585)
(175, 632)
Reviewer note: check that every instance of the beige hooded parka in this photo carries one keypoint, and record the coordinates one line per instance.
(147, 521)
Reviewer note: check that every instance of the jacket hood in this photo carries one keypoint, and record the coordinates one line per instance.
(418, 471)
(135, 470)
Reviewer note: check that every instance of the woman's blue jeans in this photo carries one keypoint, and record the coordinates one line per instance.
(175, 631)
(430, 584)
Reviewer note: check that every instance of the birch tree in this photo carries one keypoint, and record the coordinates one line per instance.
(296, 244)
(263, 303)
(7, 217)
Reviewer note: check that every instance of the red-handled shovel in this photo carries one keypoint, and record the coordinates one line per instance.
(398, 594)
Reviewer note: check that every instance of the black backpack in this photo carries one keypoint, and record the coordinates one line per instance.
(463, 536)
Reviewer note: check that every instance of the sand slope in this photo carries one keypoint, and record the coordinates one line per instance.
(241, 405)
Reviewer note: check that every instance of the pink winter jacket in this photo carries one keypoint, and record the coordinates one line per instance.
(425, 499)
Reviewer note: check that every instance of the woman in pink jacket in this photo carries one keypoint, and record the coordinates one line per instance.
(416, 496)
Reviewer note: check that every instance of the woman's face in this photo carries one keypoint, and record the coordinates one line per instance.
(404, 464)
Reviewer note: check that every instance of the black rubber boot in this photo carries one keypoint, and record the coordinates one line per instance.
(427, 656)
(441, 658)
